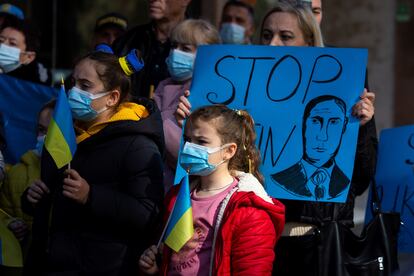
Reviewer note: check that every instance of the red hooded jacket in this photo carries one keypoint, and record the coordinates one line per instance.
(248, 225)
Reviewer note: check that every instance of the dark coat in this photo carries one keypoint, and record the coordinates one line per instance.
(123, 166)
(153, 53)
(35, 72)
(293, 180)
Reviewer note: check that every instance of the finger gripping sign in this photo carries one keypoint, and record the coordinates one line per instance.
(301, 99)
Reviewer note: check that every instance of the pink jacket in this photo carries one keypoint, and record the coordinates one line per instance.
(166, 96)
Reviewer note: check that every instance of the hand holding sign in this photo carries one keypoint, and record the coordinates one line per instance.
(364, 109)
(183, 109)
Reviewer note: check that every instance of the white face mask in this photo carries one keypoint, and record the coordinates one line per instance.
(9, 58)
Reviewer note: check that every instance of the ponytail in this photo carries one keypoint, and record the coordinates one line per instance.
(248, 150)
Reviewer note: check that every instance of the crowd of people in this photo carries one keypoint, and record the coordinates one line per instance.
(105, 213)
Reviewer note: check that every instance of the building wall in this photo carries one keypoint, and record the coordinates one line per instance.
(404, 68)
(367, 24)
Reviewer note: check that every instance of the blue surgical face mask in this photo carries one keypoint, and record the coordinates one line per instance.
(9, 58)
(194, 158)
(180, 65)
(231, 33)
(39, 145)
(80, 104)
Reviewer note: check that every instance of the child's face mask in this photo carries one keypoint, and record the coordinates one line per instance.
(195, 159)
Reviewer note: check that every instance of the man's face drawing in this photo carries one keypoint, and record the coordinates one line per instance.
(324, 127)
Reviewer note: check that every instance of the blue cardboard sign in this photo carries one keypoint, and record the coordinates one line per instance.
(301, 99)
(395, 180)
(20, 104)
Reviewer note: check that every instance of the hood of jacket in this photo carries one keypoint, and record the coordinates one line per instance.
(250, 192)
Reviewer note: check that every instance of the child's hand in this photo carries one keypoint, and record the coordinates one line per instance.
(148, 261)
(183, 108)
(75, 187)
(19, 228)
(37, 191)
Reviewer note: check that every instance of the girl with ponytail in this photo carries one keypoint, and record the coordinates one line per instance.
(236, 224)
(106, 206)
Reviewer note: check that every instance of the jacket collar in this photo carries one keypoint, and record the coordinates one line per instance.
(126, 112)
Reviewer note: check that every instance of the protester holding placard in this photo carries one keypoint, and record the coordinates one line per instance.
(236, 223)
(98, 215)
(185, 38)
(288, 25)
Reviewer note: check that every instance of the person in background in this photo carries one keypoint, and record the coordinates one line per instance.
(18, 178)
(107, 205)
(108, 28)
(185, 38)
(236, 224)
(317, 10)
(153, 41)
(237, 23)
(19, 45)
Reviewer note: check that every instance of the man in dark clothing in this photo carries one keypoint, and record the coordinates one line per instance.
(152, 40)
(108, 28)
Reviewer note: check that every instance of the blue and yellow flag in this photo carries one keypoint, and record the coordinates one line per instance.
(10, 250)
(180, 226)
(60, 138)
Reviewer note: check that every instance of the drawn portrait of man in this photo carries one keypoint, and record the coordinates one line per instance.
(317, 175)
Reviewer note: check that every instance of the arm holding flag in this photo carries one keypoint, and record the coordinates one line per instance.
(60, 144)
(179, 228)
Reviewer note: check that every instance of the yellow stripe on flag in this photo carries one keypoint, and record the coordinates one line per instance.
(11, 252)
(57, 146)
(182, 232)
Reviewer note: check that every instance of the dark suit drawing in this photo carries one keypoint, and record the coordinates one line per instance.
(317, 175)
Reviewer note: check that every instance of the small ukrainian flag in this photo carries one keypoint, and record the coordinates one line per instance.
(60, 138)
(10, 250)
(180, 226)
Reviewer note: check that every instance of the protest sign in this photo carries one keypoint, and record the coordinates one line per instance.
(395, 180)
(301, 99)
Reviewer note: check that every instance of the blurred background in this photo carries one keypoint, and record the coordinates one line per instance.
(384, 27)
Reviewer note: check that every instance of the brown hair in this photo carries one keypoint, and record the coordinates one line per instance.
(234, 127)
(110, 73)
(306, 21)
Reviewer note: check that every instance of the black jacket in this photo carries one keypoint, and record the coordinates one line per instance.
(153, 53)
(364, 169)
(35, 72)
(123, 166)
